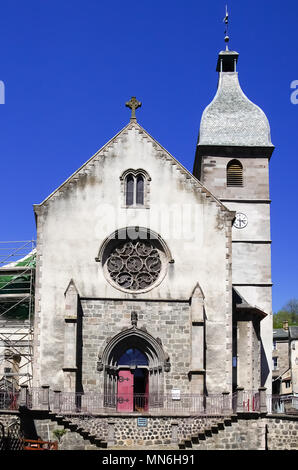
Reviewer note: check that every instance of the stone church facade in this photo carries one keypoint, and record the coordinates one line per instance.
(152, 281)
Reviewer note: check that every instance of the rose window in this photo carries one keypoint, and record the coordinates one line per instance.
(134, 264)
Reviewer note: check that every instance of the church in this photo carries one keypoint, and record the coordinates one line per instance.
(155, 282)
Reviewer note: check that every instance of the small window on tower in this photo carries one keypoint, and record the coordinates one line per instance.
(234, 173)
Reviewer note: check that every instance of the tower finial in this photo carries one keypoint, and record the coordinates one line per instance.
(226, 21)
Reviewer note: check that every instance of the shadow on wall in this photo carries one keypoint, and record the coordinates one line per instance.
(265, 370)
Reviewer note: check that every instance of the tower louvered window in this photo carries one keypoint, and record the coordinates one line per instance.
(234, 173)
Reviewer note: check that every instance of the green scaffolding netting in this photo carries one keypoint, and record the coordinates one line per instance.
(21, 283)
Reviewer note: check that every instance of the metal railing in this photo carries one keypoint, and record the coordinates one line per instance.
(242, 401)
(285, 404)
(9, 400)
(30, 444)
(91, 403)
(142, 403)
(246, 401)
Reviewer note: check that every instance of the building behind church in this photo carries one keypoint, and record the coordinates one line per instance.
(285, 362)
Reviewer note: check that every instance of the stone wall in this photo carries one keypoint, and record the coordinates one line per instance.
(241, 432)
(125, 431)
(251, 432)
(157, 431)
(169, 321)
(68, 441)
(282, 432)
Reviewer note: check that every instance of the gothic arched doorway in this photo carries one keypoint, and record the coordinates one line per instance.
(134, 364)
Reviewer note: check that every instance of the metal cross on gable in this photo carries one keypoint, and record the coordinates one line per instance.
(133, 104)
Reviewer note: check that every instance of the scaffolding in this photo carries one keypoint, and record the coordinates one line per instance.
(17, 280)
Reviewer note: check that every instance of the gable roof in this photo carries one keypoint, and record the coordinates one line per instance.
(162, 152)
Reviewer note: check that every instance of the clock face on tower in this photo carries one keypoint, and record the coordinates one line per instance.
(240, 220)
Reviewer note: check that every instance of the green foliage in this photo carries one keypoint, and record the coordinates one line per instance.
(288, 313)
(59, 433)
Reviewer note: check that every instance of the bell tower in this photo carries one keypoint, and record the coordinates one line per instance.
(232, 161)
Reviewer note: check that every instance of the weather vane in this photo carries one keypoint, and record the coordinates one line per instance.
(226, 21)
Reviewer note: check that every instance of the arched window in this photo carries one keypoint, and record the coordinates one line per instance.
(130, 189)
(140, 190)
(134, 190)
(135, 186)
(234, 173)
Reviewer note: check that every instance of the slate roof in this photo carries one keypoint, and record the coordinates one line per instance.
(280, 333)
(293, 332)
(232, 119)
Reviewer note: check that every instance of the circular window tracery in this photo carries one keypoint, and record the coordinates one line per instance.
(134, 264)
(134, 259)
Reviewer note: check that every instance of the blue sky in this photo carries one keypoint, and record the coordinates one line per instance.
(70, 66)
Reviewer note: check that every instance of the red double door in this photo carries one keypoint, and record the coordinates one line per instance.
(132, 391)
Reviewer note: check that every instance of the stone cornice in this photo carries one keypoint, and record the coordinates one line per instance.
(230, 151)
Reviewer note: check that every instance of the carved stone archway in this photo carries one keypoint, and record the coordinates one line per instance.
(157, 363)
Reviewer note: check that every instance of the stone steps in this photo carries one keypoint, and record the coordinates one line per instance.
(94, 439)
(208, 438)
